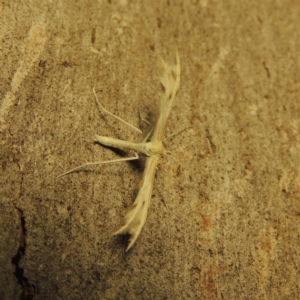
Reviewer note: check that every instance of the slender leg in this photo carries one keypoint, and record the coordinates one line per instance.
(148, 135)
(118, 118)
(176, 133)
(143, 119)
(100, 163)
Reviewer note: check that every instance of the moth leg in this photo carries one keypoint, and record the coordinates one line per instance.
(176, 133)
(111, 114)
(100, 163)
(147, 122)
(148, 135)
(144, 120)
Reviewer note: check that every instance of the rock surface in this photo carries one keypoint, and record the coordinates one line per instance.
(224, 219)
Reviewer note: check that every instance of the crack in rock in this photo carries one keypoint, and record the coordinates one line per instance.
(29, 290)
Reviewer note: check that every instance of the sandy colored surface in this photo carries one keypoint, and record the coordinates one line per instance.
(225, 213)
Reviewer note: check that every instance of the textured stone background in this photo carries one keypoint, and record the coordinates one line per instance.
(224, 219)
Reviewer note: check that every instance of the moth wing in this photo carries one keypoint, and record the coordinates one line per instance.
(137, 214)
(170, 81)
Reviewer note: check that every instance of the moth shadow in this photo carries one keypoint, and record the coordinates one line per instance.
(121, 241)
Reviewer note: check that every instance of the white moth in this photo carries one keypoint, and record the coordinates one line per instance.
(154, 149)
